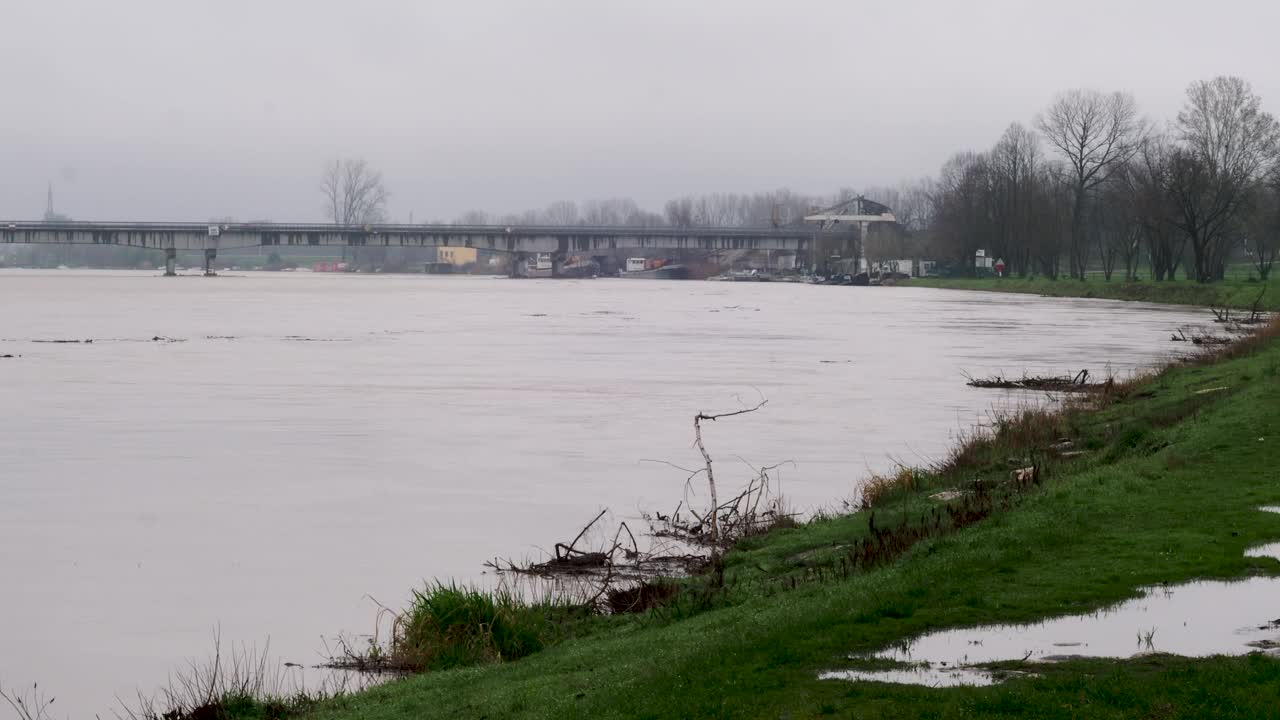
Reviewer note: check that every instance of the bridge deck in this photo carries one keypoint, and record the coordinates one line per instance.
(527, 238)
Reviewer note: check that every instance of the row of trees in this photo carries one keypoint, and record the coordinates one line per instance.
(355, 194)
(1096, 185)
(779, 207)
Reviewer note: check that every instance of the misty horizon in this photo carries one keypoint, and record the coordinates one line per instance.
(232, 110)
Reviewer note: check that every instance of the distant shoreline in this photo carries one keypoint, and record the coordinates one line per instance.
(1233, 293)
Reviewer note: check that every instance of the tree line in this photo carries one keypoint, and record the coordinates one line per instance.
(1090, 185)
(355, 194)
(778, 207)
(1093, 184)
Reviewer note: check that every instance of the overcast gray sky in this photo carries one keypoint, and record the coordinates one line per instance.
(185, 110)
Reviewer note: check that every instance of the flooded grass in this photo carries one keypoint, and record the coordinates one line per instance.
(1199, 619)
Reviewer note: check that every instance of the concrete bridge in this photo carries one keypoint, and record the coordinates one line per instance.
(556, 240)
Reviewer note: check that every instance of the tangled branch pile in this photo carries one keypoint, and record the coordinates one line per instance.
(1078, 383)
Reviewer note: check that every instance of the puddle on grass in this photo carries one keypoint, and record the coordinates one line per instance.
(923, 675)
(1198, 619)
(1271, 550)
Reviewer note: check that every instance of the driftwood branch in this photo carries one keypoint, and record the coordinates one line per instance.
(744, 411)
(711, 478)
(569, 549)
(1079, 382)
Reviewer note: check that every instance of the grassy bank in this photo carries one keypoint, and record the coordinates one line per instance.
(1232, 292)
(1167, 490)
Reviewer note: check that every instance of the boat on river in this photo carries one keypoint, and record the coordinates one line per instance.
(752, 275)
(651, 269)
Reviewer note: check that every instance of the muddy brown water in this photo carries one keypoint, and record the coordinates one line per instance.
(262, 452)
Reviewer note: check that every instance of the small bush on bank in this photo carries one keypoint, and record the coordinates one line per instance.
(450, 626)
(880, 489)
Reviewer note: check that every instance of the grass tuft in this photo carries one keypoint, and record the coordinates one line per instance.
(449, 625)
(880, 490)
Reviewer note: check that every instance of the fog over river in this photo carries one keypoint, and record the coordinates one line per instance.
(306, 440)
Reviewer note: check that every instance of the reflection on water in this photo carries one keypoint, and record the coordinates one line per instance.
(1195, 619)
(261, 452)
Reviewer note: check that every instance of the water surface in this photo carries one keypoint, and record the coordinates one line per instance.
(295, 442)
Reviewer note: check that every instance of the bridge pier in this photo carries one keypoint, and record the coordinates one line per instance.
(518, 261)
(210, 254)
(170, 262)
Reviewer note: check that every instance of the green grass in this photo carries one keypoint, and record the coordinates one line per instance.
(1168, 492)
(1235, 292)
(450, 626)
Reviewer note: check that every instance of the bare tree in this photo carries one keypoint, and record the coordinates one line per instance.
(714, 210)
(474, 217)
(780, 207)
(915, 209)
(679, 212)
(611, 211)
(1095, 133)
(884, 242)
(353, 192)
(528, 217)
(913, 205)
(1051, 206)
(1227, 144)
(1147, 178)
(962, 209)
(1014, 163)
(1114, 222)
(1263, 228)
(561, 212)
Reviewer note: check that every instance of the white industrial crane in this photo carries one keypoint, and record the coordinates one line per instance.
(858, 210)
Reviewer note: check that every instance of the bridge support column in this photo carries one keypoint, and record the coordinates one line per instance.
(209, 256)
(557, 264)
(170, 262)
(518, 261)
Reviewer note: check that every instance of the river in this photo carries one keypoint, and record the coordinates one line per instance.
(264, 452)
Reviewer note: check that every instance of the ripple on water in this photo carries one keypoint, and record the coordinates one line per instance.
(1195, 619)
